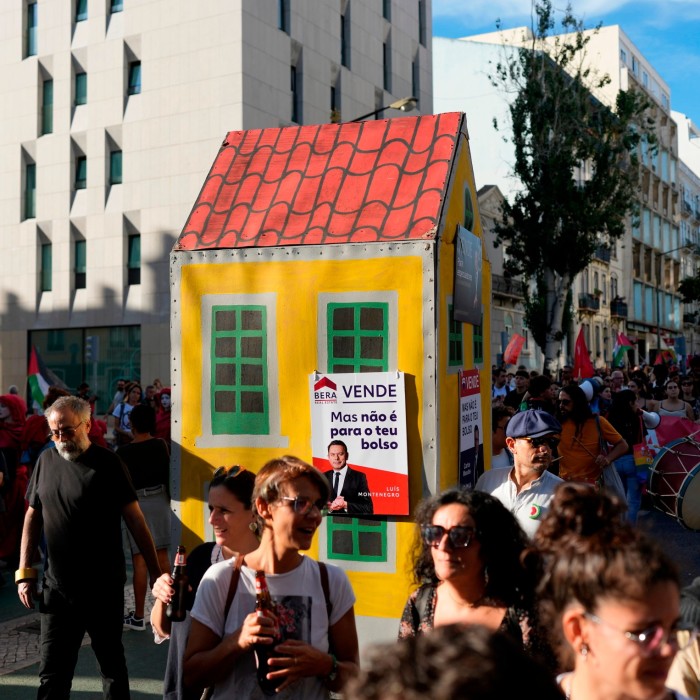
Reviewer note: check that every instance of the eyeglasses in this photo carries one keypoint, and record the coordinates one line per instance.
(547, 440)
(231, 473)
(653, 638)
(64, 432)
(459, 536)
(302, 505)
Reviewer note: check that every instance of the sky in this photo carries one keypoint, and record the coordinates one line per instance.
(666, 32)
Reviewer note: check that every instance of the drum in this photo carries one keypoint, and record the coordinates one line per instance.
(674, 483)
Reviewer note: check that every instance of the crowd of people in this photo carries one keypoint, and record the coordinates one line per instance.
(536, 582)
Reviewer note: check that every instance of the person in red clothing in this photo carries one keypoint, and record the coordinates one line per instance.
(13, 476)
(163, 415)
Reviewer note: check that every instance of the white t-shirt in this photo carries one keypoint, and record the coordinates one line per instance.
(304, 616)
(530, 505)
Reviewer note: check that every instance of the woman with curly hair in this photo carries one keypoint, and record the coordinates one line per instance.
(468, 567)
(611, 597)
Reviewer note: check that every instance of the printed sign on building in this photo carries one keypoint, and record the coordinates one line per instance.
(367, 413)
(467, 296)
(471, 445)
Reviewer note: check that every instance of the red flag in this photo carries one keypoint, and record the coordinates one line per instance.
(583, 367)
(515, 345)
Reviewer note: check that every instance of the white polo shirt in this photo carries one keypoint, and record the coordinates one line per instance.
(530, 505)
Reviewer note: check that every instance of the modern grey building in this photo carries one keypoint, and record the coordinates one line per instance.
(111, 113)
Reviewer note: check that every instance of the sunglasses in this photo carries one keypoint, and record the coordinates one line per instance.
(303, 505)
(230, 473)
(653, 638)
(458, 537)
(547, 440)
(64, 432)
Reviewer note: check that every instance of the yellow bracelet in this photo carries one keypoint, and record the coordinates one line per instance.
(25, 575)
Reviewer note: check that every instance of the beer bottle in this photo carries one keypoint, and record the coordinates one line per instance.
(264, 652)
(177, 606)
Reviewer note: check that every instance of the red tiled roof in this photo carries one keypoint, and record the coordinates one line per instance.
(381, 180)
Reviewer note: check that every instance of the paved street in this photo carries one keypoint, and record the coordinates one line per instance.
(19, 629)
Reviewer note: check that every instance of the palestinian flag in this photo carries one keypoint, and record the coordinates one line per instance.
(40, 378)
(622, 345)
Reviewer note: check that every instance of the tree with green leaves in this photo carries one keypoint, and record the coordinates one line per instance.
(575, 159)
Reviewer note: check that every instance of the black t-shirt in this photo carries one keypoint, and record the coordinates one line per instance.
(81, 505)
(148, 463)
(198, 561)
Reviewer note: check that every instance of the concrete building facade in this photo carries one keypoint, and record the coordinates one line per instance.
(111, 114)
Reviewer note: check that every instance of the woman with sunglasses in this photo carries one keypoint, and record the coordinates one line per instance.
(688, 394)
(319, 649)
(468, 568)
(232, 519)
(611, 597)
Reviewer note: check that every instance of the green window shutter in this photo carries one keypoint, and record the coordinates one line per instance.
(239, 382)
(358, 341)
(47, 107)
(455, 340)
(357, 539)
(358, 337)
(80, 88)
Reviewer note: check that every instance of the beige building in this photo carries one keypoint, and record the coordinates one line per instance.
(111, 114)
(631, 288)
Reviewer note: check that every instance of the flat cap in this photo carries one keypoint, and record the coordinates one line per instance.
(532, 423)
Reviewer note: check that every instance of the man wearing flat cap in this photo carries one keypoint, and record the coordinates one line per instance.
(526, 489)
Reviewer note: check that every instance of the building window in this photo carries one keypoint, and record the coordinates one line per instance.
(116, 6)
(345, 39)
(386, 63)
(358, 337)
(478, 343)
(455, 339)
(134, 78)
(239, 390)
(133, 263)
(283, 15)
(335, 103)
(31, 38)
(47, 107)
(386, 9)
(415, 79)
(357, 539)
(80, 172)
(30, 191)
(295, 86)
(623, 56)
(422, 21)
(115, 168)
(80, 252)
(46, 265)
(81, 8)
(80, 88)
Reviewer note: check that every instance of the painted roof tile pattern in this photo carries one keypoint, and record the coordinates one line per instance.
(356, 182)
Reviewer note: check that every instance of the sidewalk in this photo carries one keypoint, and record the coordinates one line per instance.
(19, 655)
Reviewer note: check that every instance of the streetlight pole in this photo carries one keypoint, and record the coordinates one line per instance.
(405, 104)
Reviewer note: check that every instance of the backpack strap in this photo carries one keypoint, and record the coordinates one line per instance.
(323, 570)
(233, 585)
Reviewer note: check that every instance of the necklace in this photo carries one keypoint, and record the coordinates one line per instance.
(465, 603)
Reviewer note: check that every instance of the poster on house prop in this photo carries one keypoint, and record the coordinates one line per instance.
(471, 435)
(366, 412)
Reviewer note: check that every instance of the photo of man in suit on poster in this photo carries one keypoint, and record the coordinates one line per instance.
(349, 488)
